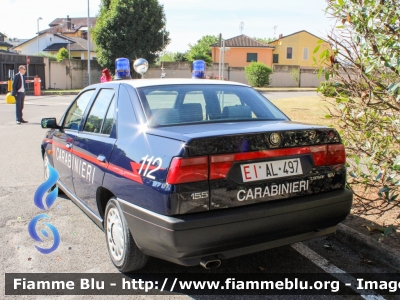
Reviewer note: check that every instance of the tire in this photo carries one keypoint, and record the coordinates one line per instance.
(121, 246)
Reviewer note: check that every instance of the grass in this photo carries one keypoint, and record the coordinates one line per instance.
(266, 89)
(304, 109)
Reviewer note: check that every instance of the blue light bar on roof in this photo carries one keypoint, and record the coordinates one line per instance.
(199, 69)
(122, 69)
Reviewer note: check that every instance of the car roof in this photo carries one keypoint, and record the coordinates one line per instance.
(138, 83)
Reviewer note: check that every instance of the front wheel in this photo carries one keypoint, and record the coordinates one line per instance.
(121, 246)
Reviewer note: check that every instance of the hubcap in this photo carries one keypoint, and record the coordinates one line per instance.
(115, 234)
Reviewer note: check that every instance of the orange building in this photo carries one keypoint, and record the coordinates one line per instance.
(241, 50)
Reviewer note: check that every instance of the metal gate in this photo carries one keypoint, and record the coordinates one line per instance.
(13, 61)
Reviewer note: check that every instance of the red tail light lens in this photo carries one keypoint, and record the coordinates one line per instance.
(319, 155)
(220, 165)
(183, 170)
(336, 154)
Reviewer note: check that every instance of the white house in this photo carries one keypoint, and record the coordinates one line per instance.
(69, 33)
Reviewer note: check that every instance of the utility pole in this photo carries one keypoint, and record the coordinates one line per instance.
(40, 18)
(88, 40)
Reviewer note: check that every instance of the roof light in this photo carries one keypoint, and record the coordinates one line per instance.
(122, 69)
(199, 69)
(140, 66)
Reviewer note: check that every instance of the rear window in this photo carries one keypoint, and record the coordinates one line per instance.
(193, 104)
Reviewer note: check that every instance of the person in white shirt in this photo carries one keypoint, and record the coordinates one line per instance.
(18, 91)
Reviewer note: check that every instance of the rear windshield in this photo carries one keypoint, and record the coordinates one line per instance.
(193, 104)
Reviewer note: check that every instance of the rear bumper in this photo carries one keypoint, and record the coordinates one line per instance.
(237, 231)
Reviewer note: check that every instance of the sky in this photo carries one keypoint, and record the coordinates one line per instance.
(187, 20)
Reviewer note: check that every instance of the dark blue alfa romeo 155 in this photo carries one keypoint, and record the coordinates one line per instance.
(195, 171)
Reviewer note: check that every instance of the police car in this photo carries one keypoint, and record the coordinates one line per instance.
(195, 171)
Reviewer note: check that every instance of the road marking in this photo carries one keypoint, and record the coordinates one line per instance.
(325, 265)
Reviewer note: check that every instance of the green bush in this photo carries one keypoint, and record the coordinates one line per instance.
(50, 56)
(258, 74)
(62, 53)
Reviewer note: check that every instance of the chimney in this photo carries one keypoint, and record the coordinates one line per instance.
(68, 22)
(280, 36)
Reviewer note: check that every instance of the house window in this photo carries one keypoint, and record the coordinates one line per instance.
(289, 52)
(275, 58)
(305, 53)
(251, 57)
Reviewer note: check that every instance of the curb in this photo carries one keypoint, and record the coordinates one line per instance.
(376, 251)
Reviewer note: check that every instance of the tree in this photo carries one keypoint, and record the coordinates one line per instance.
(62, 53)
(179, 56)
(131, 29)
(167, 56)
(202, 50)
(257, 74)
(364, 78)
(295, 74)
(263, 40)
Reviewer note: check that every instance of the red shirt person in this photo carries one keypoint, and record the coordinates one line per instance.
(105, 76)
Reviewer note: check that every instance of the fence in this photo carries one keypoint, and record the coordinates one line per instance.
(281, 76)
(73, 74)
(9, 65)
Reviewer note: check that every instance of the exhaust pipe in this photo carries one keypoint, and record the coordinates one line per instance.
(210, 262)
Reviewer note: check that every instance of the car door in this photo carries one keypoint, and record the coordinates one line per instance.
(93, 146)
(63, 157)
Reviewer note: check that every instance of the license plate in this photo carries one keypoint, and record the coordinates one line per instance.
(271, 169)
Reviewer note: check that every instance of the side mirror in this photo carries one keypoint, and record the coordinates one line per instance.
(49, 123)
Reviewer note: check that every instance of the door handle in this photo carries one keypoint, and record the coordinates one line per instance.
(101, 158)
(68, 145)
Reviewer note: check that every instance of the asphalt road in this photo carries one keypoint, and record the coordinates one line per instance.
(83, 247)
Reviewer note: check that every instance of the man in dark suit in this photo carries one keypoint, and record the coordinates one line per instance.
(18, 91)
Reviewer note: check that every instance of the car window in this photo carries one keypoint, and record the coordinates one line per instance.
(195, 97)
(75, 112)
(98, 111)
(195, 103)
(161, 98)
(109, 121)
(228, 99)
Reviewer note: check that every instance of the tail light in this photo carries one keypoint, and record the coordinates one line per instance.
(336, 154)
(319, 155)
(328, 155)
(220, 165)
(183, 170)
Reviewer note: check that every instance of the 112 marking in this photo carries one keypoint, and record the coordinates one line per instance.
(150, 161)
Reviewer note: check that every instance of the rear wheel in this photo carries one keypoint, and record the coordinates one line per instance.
(121, 246)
